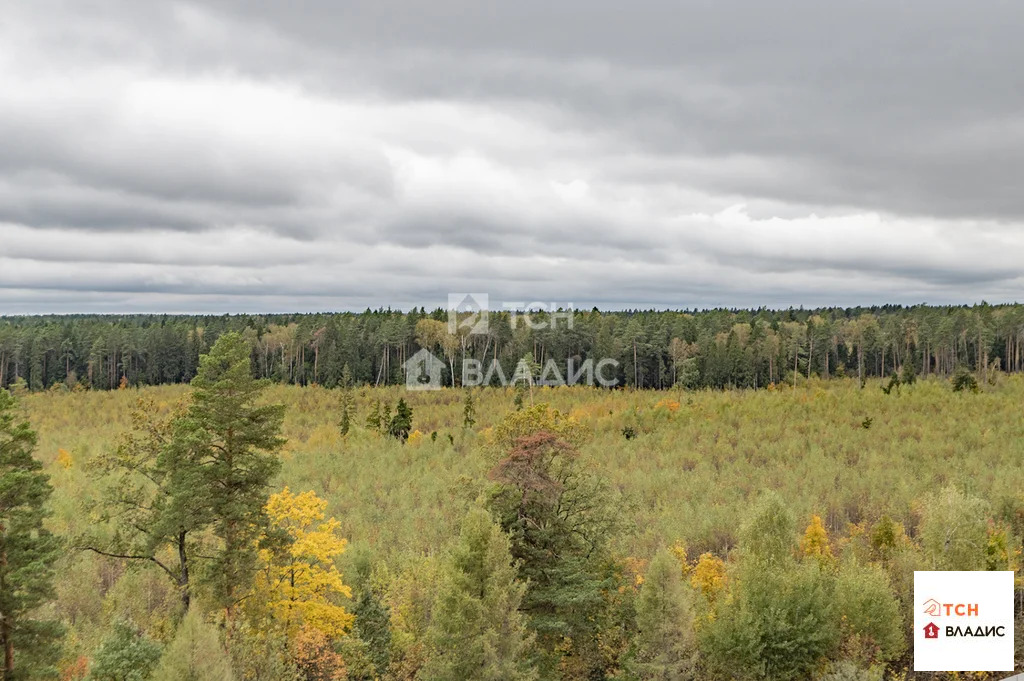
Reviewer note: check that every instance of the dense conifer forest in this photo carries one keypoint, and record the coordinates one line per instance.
(721, 348)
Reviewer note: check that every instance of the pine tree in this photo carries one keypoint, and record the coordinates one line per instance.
(153, 517)
(224, 452)
(401, 424)
(373, 421)
(477, 631)
(27, 552)
(520, 396)
(559, 519)
(468, 411)
(348, 408)
(665, 642)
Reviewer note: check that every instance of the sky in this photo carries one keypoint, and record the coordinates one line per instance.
(317, 155)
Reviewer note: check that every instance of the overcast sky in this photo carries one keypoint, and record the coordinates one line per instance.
(322, 155)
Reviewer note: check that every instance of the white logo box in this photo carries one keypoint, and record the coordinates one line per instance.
(963, 621)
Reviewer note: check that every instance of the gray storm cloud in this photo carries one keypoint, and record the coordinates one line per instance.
(233, 156)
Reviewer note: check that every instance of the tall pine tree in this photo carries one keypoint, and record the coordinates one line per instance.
(27, 552)
(225, 454)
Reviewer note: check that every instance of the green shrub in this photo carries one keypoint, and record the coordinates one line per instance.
(870, 612)
(124, 655)
(963, 379)
(779, 624)
(954, 531)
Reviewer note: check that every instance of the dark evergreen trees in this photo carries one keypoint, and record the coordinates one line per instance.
(401, 423)
(28, 552)
(559, 519)
(708, 348)
(222, 457)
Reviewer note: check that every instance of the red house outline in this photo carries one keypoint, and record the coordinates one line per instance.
(931, 630)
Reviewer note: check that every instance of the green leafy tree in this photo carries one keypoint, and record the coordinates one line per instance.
(400, 425)
(124, 655)
(477, 631)
(954, 531)
(871, 615)
(665, 645)
(195, 654)
(779, 624)
(28, 552)
(779, 621)
(223, 457)
(768, 536)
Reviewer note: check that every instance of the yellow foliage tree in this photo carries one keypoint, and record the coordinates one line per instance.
(65, 459)
(299, 585)
(535, 419)
(815, 543)
(679, 551)
(709, 576)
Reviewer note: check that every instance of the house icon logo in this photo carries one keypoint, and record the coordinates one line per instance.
(932, 607)
(423, 371)
(467, 311)
(931, 630)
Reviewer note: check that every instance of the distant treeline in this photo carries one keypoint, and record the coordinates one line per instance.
(654, 349)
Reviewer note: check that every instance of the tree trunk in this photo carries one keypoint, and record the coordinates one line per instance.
(5, 621)
(636, 369)
(186, 594)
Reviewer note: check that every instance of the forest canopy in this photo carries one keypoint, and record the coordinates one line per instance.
(721, 348)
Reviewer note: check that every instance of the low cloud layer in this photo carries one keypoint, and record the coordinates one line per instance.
(237, 157)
